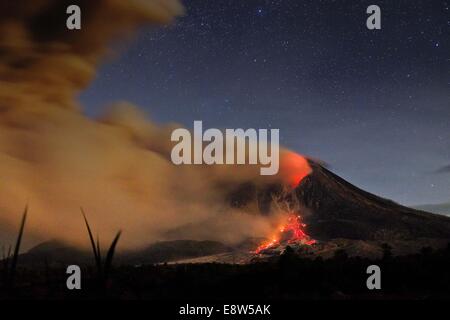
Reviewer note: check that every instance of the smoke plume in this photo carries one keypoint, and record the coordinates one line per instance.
(117, 167)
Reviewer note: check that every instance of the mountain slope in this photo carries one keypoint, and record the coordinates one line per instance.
(338, 209)
(442, 208)
(55, 253)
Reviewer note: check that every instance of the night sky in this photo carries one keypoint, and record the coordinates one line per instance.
(374, 104)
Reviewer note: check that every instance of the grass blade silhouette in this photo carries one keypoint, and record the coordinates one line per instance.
(99, 251)
(110, 254)
(103, 267)
(15, 256)
(94, 247)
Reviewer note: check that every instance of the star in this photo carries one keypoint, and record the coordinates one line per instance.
(323, 79)
(259, 12)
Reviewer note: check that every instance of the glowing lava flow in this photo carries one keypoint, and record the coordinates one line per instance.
(294, 168)
(292, 231)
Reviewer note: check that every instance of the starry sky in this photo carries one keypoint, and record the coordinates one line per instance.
(373, 104)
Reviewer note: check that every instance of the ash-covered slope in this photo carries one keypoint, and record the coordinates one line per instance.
(338, 209)
(55, 253)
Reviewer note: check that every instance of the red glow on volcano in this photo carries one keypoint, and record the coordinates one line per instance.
(294, 168)
(292, 231)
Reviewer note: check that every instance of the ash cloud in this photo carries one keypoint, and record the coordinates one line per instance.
(117, 167)
(44, 63)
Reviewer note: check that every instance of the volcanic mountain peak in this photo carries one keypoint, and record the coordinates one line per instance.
(338, 209)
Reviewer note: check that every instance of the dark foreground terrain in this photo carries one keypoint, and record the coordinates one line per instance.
(425, 275)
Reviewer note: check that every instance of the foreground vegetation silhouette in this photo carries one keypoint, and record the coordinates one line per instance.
(425, 275)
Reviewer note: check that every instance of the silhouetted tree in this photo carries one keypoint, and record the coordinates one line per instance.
(340, 255)
(426, 251)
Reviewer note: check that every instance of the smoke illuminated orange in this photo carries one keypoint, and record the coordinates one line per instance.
(294, 168)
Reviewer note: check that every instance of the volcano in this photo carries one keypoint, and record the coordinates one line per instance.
(334, 208)
(333, 214)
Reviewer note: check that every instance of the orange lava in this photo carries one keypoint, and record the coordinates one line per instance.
(293, 169)
(291, 231)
